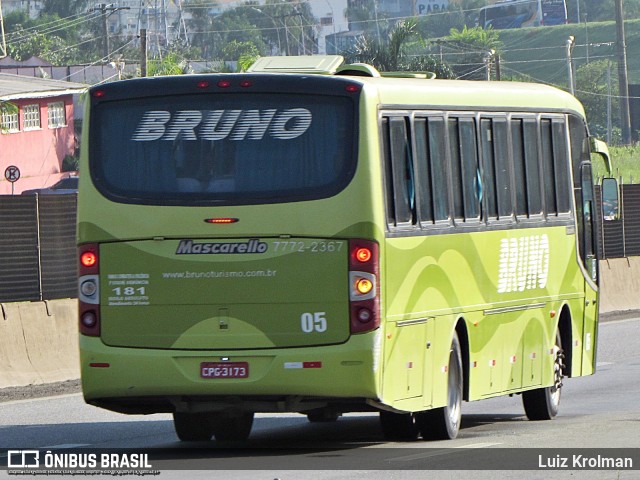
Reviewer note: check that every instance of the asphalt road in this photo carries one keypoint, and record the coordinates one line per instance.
(600, 412)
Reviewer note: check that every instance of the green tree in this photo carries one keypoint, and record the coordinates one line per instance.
(6, 108)
(32, 43)
(592, 81)
(64, 8)
(392, 51)
(469, 47)
(169, 64)
(364, 16)
(245, 53)
(48, 36)
(211, 33)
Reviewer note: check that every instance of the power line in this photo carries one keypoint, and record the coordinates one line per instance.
(48, 31)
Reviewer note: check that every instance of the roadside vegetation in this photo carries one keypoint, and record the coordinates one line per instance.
(626, 164)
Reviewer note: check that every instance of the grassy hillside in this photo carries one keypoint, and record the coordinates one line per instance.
(541, 52)
(626, 164)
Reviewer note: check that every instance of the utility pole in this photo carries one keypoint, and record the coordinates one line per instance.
(621, 50)
(143, 52)
(103, 8)
(3, 43)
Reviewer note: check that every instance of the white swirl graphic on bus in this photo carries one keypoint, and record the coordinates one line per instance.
(215, 125)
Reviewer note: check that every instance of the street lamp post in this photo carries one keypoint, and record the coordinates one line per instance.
(571, 41)
(275, 26)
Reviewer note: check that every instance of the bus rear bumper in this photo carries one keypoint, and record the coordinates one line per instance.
(135, 380)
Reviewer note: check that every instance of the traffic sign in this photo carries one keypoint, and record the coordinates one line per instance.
(12, 173)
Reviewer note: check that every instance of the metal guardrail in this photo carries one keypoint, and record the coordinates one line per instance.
(37, 247)
(621, 238)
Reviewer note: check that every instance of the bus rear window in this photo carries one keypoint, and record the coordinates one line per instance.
(223, 149)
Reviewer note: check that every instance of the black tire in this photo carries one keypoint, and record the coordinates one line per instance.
(399, 427)
(444, 423)
(231, 428)
(193, 427)
(544, 403)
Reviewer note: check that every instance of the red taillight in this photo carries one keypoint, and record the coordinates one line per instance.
(362, 254)
(221, 220)
(224, 84)
(364, 288)
(89, 259)
(352, 88)
(89, 290)
(246, 83)
(98, 93)
(202, 84)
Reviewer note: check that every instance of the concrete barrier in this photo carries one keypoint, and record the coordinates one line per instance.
(620, 284)
(38, 342)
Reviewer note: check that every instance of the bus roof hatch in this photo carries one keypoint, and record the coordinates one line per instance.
(318, 64)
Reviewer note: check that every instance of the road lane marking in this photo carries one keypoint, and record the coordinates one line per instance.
(438, 452)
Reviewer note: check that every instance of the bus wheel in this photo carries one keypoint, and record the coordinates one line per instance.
(398, 426)
(193, 427)
(444, 423)
(543, 403)
(232, 428)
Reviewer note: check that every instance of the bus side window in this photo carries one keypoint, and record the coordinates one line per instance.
(502, 168)
(489, 183)
(423, 171)
(464, 168)
(400, 174)
(532, 166)
(471, 181)
(519, 168)
(561, 165)
(431, 170)
(439, 183)
(456, 169)
(388, 174)
(551, 206)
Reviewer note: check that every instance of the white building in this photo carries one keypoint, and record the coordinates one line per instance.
(31, 6)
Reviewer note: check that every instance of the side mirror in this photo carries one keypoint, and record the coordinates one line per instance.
(599, 147)
(610, 199)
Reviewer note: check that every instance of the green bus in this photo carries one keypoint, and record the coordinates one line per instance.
(320, 238)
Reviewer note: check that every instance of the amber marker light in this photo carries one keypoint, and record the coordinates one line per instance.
(364, 285)
(89, 259)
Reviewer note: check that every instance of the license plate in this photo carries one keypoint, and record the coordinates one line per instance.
(224, 369)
